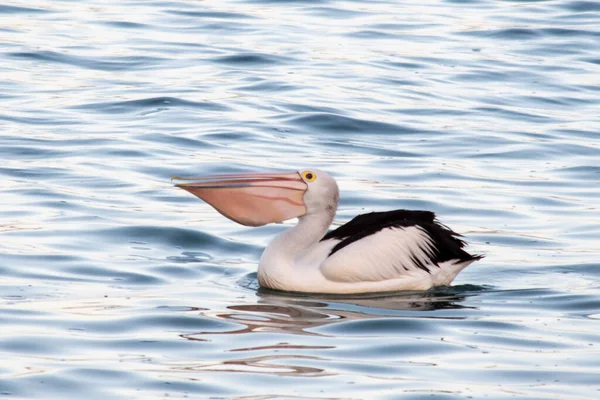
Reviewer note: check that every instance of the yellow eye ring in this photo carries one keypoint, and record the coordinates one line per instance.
(309, 176)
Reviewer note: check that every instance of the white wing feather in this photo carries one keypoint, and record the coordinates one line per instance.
(388, 254)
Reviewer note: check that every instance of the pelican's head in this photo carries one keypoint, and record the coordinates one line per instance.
(322, 193)
(257, 199)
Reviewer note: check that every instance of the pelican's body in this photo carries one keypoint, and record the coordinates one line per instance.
(376, 252)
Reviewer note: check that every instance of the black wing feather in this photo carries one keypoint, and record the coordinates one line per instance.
(447, 245)
(370, 220)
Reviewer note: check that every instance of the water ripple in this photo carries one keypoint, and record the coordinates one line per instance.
(8, 9)
(151, 103)
(211, 14)
(111, 64)
(251, 59)
(335, 123)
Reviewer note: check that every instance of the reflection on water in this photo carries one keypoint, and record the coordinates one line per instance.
(299, 313)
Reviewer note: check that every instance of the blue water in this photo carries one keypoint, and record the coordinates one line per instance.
(113, 284)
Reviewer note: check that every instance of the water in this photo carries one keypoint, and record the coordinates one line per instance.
(116, 285)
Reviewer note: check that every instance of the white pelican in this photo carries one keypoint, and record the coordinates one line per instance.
(374, 252)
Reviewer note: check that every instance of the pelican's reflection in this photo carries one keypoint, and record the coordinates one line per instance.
(299, 347)
(300, 313)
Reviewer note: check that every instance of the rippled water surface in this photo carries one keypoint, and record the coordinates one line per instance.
(113, 284)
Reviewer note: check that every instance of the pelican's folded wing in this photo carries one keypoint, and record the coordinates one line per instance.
(393, 245)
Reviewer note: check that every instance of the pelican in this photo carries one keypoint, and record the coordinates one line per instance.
(374, 252)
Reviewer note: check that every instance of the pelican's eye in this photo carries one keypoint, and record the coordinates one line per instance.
(309, 176)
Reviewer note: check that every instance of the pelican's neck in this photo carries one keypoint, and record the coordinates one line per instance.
(277, 267)
(308, 231)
